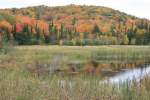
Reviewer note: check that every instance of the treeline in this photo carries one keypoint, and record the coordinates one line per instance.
(17, 28)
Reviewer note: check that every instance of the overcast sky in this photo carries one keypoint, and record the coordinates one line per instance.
(139, 8)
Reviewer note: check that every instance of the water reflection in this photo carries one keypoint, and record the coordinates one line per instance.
(131, 74)
(114, 72)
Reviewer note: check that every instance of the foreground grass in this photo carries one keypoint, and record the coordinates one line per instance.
(19, 84)
(20, 81)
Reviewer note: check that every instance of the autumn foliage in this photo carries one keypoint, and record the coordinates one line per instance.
(73, 25)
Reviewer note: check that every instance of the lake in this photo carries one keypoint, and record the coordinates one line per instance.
(130, 74)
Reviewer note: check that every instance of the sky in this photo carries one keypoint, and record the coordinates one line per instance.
(139, 8)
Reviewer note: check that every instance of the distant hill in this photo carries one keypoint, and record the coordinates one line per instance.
(74, 25)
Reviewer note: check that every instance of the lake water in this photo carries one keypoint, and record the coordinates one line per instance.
(130, 74)
(135, 74)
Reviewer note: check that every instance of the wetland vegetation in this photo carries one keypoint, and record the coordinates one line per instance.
(72, 73)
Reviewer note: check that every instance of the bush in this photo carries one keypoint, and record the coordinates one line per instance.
(96, 42)
(86, 42)
(68, 42)
(5, 48)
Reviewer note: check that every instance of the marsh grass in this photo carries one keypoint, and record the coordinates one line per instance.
(18, 82)
(125, 53)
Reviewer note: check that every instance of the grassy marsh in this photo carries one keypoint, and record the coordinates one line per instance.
(25, 73)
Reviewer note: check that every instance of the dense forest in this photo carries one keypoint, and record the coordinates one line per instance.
(72, 25)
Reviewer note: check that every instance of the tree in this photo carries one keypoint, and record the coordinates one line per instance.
(140, 36)
(1, 38)
(38, 35)
(113, 31)
(125, 40)
(11, 19)
(1, 17)
(74, 21)
(26, 20)
(96, 29)
(84, 27)
(62, 31)
(146, 38)
(23, 35)
(18, 28)
(6, 26)
(130, 35)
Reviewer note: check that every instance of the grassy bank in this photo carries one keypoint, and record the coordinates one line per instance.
(82, 53)
(60, 56)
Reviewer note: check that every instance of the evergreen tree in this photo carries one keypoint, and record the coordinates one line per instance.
(113, 31)
(62, 31)
(96, 30)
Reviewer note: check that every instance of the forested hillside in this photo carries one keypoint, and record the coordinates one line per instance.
(72, 25)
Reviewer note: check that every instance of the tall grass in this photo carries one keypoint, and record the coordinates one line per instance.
(19, 84)
(20, 78)
(122, 53)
